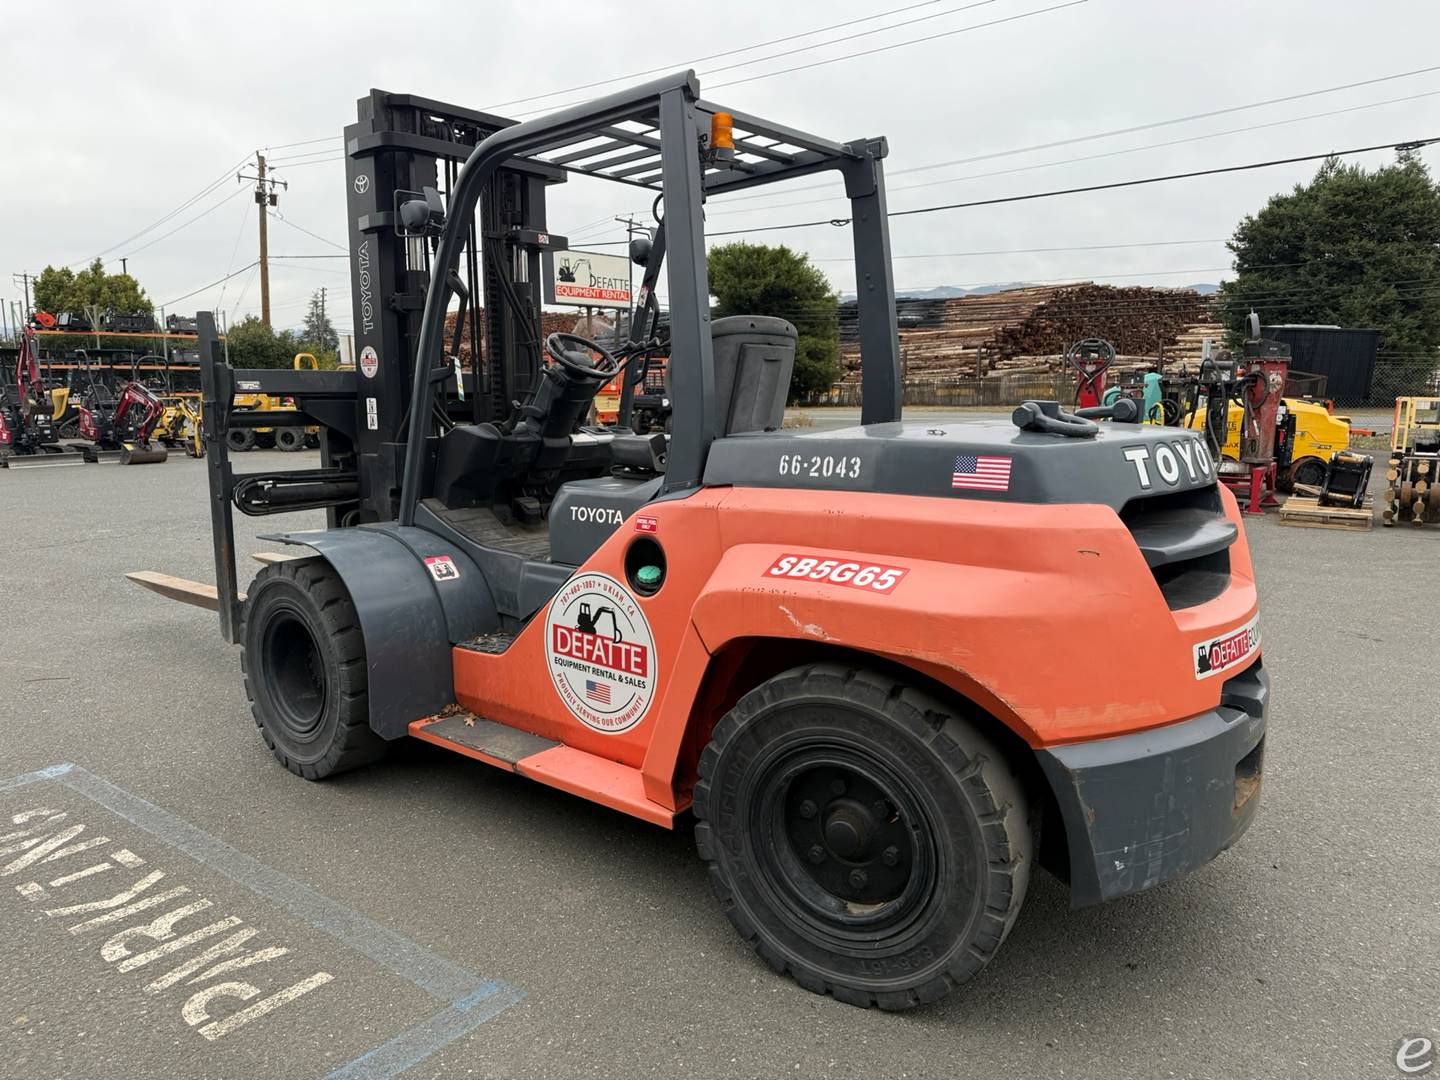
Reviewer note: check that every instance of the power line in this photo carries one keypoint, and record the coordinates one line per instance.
(162, 220)
(900, 44)
(778, 55)
(315, 161)
(245, 291)
(1034, 251)
(302, 142)
(184, 225)
(286, 158)
(244, 217)
(1075, 160)
(839, 221)
(212, 284)
(1150, 126)
(713, 56)
(307, 232)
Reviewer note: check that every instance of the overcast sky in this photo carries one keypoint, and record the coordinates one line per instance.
(119, 112)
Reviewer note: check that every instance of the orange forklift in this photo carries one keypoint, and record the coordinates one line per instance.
(869, 676)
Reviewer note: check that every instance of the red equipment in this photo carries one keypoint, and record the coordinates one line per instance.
(27, 428)
(122, 427)
(1091, 359)
(1260, 385)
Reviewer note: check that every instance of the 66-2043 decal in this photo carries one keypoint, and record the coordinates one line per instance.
(1227, 651)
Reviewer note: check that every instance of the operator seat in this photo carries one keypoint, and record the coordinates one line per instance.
(754, 358)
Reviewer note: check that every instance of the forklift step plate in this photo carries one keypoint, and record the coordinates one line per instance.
(493, 743)
(589, 776)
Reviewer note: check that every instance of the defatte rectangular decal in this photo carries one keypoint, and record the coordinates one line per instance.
(1227, 651)
(872, 577)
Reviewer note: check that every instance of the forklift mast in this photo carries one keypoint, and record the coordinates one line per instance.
(401, 146)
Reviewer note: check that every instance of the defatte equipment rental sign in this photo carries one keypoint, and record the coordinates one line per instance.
(587, 279)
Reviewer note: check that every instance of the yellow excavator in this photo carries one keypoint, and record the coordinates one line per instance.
(1311, 434)
(289, 439)
(179, 424)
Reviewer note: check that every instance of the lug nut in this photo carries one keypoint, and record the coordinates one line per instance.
(837, 787)
(808, 809)
(882, 809)
(859, 879)
(817, 853)
(890, 856)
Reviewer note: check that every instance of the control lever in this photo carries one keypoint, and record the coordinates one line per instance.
(1122, 410)
(1048, 418)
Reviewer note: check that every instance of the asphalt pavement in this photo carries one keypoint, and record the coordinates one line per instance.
(440, 915)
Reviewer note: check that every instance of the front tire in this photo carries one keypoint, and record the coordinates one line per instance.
(1309, 471)
(240, 440)
(291, 440)
(303, 657)
(862, 836)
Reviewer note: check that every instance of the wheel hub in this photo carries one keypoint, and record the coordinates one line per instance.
(849, 836)
(847, 829)
(296, 675)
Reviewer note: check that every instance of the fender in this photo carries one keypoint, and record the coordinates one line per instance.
(410, 613)
(1021, 642)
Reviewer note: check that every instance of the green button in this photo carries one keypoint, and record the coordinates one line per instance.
(648, 575)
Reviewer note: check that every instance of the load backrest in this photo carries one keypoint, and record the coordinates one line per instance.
(754, 357)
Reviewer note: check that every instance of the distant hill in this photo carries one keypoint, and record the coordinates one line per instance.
(950, 292)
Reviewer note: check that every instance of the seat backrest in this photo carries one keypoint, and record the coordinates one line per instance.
(754, 358)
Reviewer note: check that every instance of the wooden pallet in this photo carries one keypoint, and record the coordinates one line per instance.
(1307, 513)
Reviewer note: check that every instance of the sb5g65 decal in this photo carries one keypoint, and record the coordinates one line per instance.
(872, 577)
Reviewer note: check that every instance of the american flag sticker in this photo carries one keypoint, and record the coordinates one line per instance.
(982, 472)
(597, 692)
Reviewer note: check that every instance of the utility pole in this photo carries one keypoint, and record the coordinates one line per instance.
(23, 279)
(322, 312)
(265, 198)
(124, 268)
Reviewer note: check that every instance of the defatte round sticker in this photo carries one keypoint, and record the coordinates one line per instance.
(369, 361)
(600, 653)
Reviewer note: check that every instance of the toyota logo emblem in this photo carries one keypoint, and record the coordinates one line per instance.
(362, 184)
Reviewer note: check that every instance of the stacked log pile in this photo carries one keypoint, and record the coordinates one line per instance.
(1026, 330)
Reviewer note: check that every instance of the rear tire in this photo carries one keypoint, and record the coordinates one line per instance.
(240, 440)
(862, 837)
(1308, 471)
(290, 440)
(303, 657)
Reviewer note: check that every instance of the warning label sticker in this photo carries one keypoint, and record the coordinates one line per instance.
(442, 567)
(369, 361)
(600, 653)
(1226, 651)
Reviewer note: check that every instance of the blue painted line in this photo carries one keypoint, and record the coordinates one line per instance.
(50, 772)
(416, 1043)
(470, 1001)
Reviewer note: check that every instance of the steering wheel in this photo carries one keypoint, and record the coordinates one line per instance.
(577, 360)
